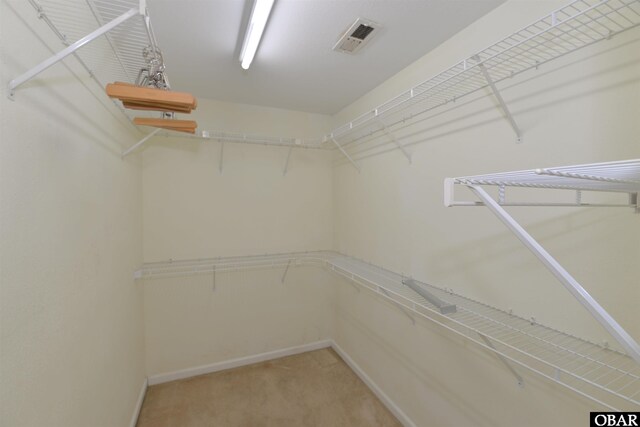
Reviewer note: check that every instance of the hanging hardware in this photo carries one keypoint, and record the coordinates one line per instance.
(153, 75)
(505, 361)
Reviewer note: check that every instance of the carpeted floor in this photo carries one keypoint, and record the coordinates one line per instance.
(310, 389)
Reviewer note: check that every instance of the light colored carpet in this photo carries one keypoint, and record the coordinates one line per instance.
(309, 389)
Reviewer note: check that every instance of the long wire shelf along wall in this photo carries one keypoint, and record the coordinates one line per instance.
(611, 177)
(112, 40)
(603, 375)
(579, 24)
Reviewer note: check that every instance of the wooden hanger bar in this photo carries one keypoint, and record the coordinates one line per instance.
(188, 126)
(147, 97)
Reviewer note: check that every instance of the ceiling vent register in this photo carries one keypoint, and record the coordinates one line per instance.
(357, 36)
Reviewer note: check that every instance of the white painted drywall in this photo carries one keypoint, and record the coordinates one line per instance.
(190, 322)
(191, 210)
(582, 108)
(71, 333)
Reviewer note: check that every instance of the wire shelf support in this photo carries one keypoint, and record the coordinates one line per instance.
(616, 177)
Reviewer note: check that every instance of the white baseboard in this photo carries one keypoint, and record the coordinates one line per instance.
(248, 360)
(136, 410)
(234, 363)
(390, 404)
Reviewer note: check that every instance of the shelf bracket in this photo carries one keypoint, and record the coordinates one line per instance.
(506, 363)
(284, 275)
(286, 163)
(384, 292)
(443, 306)
(139, 143)
(395, 141)
(25, 77)
(597, 311)
(503, 104)
(220, 161)
(355, 165)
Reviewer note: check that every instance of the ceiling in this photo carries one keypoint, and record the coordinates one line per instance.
(295, 67)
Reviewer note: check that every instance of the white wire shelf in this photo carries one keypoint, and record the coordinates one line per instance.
(615, 177)
(118, 57)
(607, 377)
(107, 54)
(566, 30)
(242, 138)
(622, 176)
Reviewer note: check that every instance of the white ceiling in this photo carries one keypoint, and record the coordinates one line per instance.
(295, 67)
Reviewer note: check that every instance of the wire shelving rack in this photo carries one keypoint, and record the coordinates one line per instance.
(579, 24)
(607, 377)
(613, 177)
(118, 56)
(107, 38)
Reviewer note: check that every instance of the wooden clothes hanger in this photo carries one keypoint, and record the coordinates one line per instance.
(151, 99)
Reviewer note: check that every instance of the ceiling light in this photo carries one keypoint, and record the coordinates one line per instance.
(255, 28)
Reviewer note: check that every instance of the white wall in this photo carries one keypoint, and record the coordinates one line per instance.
(189, 322)
(582, 108)
(191, 210)
(71, 332)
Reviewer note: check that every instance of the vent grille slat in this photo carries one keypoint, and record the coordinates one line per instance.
(362, 32)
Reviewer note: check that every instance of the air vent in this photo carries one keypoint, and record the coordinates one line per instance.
(357, 35)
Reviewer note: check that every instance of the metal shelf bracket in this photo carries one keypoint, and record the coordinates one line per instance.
(506, 363)
(355, 165)
(597, 311)
(284, 275)
(395, 141)
(500, 99)
(286, 163)
(220, 161)
(139, 143)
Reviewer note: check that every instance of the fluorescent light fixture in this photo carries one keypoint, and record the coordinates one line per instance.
(255, 28)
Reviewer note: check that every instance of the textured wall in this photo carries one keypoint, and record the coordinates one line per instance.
(71, 332)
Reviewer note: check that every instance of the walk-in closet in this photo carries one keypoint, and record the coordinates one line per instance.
(247, 213)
